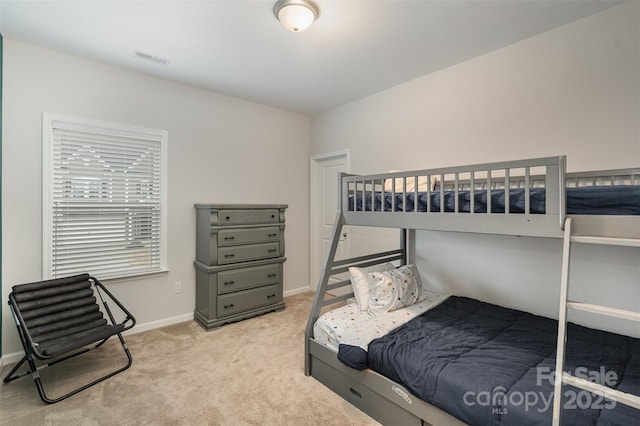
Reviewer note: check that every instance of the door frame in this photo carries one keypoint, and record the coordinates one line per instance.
(314, 165)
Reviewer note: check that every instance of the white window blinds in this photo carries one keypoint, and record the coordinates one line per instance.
(103, 199)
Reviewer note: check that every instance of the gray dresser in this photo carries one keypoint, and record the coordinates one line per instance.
(239, 257)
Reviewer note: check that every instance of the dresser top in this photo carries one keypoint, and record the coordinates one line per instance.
(241, 206)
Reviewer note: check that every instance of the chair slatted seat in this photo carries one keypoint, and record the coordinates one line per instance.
(61, 318)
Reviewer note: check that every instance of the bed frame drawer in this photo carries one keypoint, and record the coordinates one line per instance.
(246, 217)
(236, 254)
(365, 399)
(242, 279)
(248, 299)
(238, 236)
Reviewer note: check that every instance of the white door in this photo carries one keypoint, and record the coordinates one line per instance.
(324, 208)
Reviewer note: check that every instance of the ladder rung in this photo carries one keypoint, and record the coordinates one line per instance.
(604, 310)
(612, 394)
(339, 284)
(632, 242)
(336, 299)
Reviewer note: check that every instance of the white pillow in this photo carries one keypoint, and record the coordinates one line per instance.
(360, 282)
(395, 289)
(411, 183)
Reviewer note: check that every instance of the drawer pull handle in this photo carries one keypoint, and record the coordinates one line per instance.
(229, 238)
(273, 250)
(229, 282)
(355, 392)
(273, 235)
(228, 217)
(228, 306)
(270, 296)
(272, 275)
(229, 255)
(273, 216)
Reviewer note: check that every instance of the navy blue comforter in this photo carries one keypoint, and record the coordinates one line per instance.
(489, 365)
(588, 200)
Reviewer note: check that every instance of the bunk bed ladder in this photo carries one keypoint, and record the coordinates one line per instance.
(565, 304)
(322, 287)
(332, 267)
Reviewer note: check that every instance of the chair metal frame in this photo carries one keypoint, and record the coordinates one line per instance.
(32, 352)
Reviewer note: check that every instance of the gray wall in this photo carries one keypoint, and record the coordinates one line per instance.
(210, 136)
(574, 90)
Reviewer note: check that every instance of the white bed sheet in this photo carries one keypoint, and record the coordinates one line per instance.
(351, 326)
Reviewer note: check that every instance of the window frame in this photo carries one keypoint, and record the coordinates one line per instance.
(115, 129)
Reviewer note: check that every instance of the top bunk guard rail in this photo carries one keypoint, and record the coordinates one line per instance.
(572, 180)
(415, 200)
(603, 178)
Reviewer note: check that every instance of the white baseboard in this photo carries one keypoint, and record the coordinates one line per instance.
(160, 323)
(297, 291)
(11, 358)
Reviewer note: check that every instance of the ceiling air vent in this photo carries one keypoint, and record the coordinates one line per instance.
(151, 58)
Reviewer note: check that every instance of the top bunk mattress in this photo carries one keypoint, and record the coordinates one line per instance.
(585, 200)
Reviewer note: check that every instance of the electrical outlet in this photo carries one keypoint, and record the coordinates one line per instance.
(177, 287)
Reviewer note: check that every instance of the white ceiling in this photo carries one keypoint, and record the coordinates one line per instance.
(237, 47)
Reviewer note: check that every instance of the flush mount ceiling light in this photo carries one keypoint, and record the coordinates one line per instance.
(295, 15)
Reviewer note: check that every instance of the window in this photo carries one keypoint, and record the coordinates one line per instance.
(104, 198)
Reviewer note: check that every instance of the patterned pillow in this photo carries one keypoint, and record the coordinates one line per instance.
(361, 283)
(394, 289)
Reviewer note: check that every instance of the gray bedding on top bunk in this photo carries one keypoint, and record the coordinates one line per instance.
(588, 200)
(463, 354)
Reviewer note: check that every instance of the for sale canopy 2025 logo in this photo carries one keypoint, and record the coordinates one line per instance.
(541, 400)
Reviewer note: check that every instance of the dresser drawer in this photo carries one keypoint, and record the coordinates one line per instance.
(233, 237)
(246, 217)
(235, 254)
(241, 279)
(247, 299)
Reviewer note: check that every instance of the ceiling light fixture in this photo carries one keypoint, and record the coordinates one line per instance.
(295, 15)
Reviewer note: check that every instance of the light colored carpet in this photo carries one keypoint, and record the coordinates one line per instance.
(246, 373)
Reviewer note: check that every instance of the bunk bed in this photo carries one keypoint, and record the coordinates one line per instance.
(534, 198)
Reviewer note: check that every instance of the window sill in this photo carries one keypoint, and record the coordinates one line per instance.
(143, 276)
